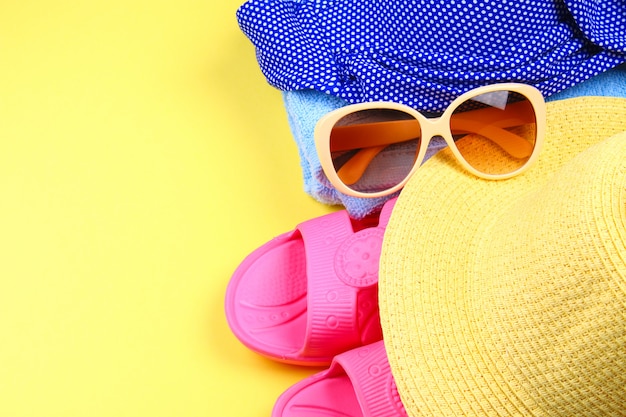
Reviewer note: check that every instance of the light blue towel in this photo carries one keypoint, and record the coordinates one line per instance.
(305, 107)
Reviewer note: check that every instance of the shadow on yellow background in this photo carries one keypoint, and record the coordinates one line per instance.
(142, 157)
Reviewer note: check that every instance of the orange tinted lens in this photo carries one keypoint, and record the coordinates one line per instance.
(373, 150)
(495, 132)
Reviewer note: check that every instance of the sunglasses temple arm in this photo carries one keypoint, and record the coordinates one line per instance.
(386, 133)
(372, 144)
(365, 135)
(353, 169)
(511, 143)
(371, 138)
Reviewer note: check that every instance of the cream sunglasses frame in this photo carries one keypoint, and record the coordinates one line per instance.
(430, 128)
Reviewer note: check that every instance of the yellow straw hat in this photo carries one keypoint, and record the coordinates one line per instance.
(508, 298)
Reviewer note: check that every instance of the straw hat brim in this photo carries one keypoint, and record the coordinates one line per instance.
(502, 298)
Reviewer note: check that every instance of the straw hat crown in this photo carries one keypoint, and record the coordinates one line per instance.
(509, 298)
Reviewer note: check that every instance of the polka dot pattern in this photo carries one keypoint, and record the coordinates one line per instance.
(426, 53)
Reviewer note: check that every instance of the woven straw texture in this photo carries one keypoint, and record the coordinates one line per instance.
(508, 298)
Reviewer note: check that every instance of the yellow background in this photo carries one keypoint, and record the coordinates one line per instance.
(142, 157)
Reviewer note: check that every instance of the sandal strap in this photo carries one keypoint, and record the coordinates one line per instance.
(342, 290)
(369, 371)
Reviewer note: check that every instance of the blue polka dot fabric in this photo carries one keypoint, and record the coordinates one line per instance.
(426, 53)
(325, 54)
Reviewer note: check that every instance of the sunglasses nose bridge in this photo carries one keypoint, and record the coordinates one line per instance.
(433, 127)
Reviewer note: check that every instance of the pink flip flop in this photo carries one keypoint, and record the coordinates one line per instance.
(312, 293)
(357, 384)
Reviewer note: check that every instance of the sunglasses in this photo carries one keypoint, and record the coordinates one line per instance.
(372, 149)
